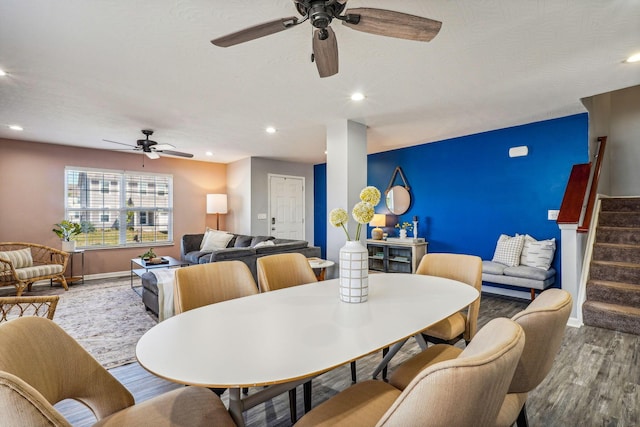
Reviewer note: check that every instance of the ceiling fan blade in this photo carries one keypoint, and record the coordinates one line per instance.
(392, 24)
(121, 143)
(176, 153)
(255, 32)
(152, 154)
(325, 53)
(161, 147)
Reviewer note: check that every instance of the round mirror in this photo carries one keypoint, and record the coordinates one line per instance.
(398, 200)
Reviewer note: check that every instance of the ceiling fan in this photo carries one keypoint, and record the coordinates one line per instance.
(151, 148)
(325, 47)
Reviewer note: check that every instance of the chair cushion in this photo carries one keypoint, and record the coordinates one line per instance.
(508, 250)
(403, 374)
(19, 258)
(510, 409)
(362, 404)
(185, 406)
(449, 328)
(529, 272)
(490, 267)
(38, 271)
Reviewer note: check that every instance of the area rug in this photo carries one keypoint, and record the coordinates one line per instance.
(105, 316)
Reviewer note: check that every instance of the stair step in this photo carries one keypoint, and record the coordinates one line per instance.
(619, 219)
(615, 272)
(611, 316)
(618, 235)
(621, 204)
(616, 252)
(613, 293)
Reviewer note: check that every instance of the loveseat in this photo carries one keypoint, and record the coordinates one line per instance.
(22, 264)
(239, 247)
(521, 261)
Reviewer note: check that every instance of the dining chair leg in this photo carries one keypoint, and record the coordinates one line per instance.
(292, 405)
(354, 377)
(522, 420)
(306, 388)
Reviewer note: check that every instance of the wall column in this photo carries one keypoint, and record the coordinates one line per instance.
(346, 177)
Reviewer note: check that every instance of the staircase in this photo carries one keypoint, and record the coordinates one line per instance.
(613, 287)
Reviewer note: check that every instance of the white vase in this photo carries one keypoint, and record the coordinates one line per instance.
(403, 233)
(354, 272)
(69, 246)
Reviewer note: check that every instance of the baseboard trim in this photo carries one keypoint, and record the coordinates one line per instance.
(574, 322)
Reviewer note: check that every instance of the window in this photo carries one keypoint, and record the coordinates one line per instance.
(116, 210)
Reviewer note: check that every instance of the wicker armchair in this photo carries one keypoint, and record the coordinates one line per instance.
(22, 264)
(42, 306)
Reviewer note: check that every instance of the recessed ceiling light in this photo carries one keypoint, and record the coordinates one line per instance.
(357, 96)
(2, 73)
(15, 127)
(209, 153)
(633, 58)
(270, 129)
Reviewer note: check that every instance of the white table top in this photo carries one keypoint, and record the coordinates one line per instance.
(297, 332)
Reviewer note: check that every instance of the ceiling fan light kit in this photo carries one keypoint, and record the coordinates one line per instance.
(320, 13)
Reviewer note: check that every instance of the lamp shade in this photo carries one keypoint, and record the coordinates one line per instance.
(379, 220)
(216, 203)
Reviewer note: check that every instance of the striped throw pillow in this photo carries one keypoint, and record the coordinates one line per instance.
(20, 258)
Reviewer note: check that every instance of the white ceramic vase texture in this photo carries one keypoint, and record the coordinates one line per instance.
(69, 246)
(354, 272)
(403, 233)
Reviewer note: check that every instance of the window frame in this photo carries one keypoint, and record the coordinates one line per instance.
(124, 180)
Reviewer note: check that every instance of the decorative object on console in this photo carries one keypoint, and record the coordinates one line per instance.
(404, 227)
(397, 197)
(217, 204)
(379, 220)
(354, 262)
(415, 226)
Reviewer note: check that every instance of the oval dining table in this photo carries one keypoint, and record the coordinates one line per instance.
(283, 338)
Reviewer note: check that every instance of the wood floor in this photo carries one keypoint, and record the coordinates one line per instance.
(595, 380)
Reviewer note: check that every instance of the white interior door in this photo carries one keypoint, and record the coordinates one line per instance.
(286, 207)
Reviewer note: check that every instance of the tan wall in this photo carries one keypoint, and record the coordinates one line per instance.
(32, 192)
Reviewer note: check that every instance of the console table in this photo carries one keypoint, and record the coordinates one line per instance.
(395, 256)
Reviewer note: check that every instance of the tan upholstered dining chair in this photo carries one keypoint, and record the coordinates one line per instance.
(204, 284)
(40, 365)
(284, 270)
(461, 325)
(543, 322)
(280, 271)
(465, 391)
(43, 306)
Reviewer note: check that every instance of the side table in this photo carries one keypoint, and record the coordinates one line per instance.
(71, 278)
(320, 264)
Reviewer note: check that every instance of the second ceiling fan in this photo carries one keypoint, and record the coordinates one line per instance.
(325, 47)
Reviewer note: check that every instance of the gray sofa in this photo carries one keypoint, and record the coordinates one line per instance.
(519, 276)
(240, 248)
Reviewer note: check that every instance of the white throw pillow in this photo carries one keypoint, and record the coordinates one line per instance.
(508, 250)
(539, 253)
(525, 248)
(215, 239)
(19, 258)
(264, 243)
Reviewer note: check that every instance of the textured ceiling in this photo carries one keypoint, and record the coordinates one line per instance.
(80, 71)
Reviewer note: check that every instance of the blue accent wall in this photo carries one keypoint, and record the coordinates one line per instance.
(320, 207)
(466, 191)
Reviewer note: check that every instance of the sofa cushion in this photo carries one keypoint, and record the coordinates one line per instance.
(257, 239)
(508, 250)
(19, 258)
(230, 254)
(263, 244)
(243, 241)
(195, 256)
(25, 273)
(490, 267)
(290, 245)
(526, 272)
(215, 239)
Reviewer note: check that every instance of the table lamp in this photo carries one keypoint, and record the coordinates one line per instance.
(379, 220)
(217, 204)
